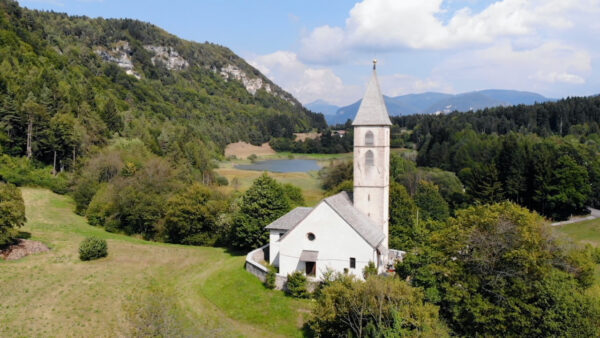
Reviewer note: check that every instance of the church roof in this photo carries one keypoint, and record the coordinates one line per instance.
(372, 110)
(289, 220)
(342, 204)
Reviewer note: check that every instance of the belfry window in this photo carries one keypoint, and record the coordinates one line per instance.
(369, 159)
(369, 139)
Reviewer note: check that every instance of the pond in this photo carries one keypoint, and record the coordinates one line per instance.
(281, 166)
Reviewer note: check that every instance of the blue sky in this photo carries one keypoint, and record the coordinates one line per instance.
(323, 49)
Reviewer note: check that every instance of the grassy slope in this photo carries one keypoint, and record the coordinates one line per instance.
(55, 294)
(587, 232)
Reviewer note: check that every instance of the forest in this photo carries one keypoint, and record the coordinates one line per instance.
(60, 101)
(543, 156)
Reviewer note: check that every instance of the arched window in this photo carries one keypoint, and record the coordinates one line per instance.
(369, 138)
(369, 159)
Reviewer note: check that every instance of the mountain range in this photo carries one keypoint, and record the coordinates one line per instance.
(432, 103)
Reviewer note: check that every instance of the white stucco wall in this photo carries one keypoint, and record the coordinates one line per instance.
(274, 236)
(371, 183)
(335, 240)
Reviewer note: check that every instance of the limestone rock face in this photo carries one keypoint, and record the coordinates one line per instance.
(121, 55)
(168, 56)
(252, 85)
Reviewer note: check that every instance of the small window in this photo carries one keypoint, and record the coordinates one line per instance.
(369, 159)
(352, 263)
(369, 139)
(310, 236)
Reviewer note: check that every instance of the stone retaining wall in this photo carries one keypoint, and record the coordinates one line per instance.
(254, 267)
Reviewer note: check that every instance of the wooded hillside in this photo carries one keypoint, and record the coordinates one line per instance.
(70, 84)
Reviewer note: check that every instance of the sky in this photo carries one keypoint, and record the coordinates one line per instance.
(319, 49)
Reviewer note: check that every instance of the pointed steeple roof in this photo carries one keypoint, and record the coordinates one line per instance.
(372, 110)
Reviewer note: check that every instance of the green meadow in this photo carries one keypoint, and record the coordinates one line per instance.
(55, 294)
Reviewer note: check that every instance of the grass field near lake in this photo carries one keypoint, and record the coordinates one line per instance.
(586, 232)
(55, 294)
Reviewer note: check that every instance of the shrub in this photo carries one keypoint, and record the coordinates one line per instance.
(222, 181)
(12, 212)
(296, 285)
(22, 171)
(92, 248)
(370, 270)
(271, 277)
(378, 307)
(252, 158)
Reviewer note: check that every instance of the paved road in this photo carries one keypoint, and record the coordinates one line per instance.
(594, 213)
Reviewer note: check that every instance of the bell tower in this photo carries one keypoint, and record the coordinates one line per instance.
(372, 157)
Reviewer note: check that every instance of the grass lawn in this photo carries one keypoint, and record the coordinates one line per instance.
(55, 294)
(583, 232)
(586, 232)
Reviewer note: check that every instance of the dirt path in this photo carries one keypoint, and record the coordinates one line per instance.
(594, 213)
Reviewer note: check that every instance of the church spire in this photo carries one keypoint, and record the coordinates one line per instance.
(372, 110)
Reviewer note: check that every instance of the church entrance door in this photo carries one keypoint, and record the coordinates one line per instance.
(311, 268)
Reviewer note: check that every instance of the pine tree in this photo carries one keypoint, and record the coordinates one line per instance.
(260, 205)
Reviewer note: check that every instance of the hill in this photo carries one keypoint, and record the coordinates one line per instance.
(204, 290)
(69, 84)
(323, 107)
(432, 102)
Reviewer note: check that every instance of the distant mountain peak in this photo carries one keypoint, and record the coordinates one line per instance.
(438, 103)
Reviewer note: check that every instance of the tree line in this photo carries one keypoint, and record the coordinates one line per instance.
(542, 156)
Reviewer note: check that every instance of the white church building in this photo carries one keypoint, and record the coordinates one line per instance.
(346, 231)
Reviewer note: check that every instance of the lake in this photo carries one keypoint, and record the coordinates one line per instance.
(281, 166)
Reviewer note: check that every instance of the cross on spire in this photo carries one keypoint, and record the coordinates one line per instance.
(374, 64)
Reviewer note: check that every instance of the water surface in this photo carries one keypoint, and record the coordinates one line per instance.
(281, 166)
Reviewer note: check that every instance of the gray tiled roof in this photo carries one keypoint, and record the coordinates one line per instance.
(309, 256)
(372, 110)
(342, 204)
(289, 220)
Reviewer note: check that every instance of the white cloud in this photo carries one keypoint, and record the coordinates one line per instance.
(416, 24)
(401, 84)
(503, 66)
(307, 84)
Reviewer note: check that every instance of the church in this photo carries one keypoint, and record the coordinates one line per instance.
(346, 231)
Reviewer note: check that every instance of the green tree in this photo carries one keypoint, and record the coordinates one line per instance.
(403, 213)
(379, 306)
(294, 195)
(497, 271)
(192, 216)
(261, 204)
(430, 202)
(569, 188)
(12, 212)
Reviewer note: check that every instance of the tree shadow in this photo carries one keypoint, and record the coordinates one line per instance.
(23, 235)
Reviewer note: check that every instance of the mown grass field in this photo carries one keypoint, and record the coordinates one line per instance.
(586, 232)
(54, 294)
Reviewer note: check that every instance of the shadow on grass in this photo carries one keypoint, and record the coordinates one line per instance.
(23, 235)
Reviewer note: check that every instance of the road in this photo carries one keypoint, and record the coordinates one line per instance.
(594, 213)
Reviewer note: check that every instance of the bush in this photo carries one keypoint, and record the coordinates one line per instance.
(22, 171)
(271, 277)
(370, 270)
(296, 285)
(92, 248)
(222, 181)
(12, 212)
(378, 307)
